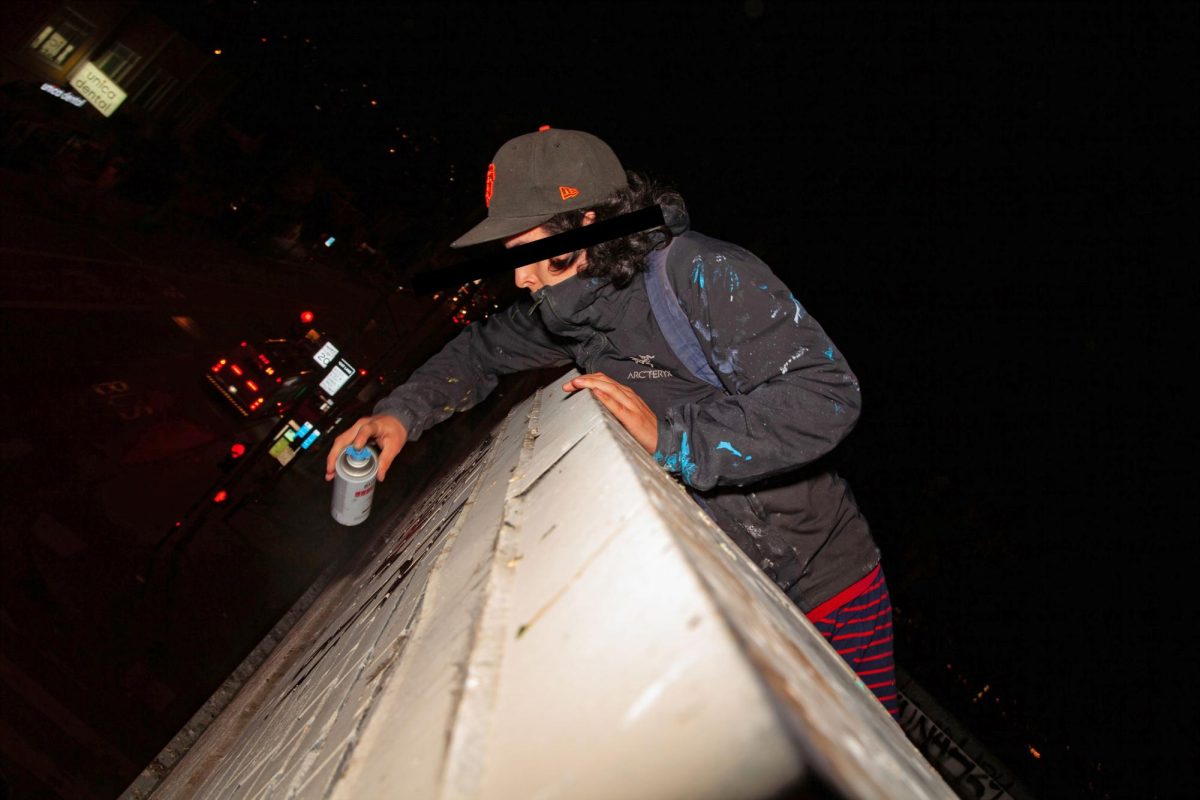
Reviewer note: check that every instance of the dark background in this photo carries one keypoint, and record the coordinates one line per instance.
(983, 203)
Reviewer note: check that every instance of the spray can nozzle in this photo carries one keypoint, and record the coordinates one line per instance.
(355, 454)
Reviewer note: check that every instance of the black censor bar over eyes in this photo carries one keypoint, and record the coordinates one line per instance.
(578, 239)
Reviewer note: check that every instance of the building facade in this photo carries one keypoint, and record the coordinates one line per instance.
(102, 69)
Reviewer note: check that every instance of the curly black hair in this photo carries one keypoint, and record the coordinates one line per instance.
(618, 260)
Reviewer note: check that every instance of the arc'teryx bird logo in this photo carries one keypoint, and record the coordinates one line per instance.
(643, 374)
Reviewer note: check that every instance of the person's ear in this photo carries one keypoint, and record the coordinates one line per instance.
(589, 217)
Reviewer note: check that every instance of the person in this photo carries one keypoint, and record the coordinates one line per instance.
(752, 450)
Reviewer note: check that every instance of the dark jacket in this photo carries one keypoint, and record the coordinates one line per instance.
(752, 454)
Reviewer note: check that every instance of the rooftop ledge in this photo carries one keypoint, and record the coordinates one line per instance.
(555, 619)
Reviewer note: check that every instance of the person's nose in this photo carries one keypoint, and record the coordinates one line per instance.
(526, 278)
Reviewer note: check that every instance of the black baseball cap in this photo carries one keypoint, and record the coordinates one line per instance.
(537, 175)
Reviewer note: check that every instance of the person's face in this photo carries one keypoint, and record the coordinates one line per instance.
(539, 274)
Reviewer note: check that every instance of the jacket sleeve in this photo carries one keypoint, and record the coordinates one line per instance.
(792, 397)
(468, 368)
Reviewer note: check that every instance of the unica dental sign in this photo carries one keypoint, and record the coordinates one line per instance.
(98, 89)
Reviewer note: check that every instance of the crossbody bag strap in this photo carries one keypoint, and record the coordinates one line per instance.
(674, 323)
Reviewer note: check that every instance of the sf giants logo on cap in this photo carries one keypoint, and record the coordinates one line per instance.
(489, 185)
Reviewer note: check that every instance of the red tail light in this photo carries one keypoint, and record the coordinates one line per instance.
(237, 450)
(217, 366)
(220, 496)
(236, 369)
(253, 386)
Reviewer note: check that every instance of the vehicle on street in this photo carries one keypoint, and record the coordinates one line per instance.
(261, 379)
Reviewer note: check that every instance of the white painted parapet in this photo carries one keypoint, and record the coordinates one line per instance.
(557, 619)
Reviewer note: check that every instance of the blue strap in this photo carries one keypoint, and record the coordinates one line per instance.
(673, 322)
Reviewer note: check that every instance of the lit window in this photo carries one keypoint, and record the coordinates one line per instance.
(62, 35)
(117, 61)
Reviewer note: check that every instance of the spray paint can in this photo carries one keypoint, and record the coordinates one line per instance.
(354, 485)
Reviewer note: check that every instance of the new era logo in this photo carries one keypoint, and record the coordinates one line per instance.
(567, 192)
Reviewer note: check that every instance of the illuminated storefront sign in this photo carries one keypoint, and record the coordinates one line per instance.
(98, 89)
(70, 97)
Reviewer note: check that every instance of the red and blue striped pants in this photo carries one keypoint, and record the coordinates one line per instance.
(858, 623)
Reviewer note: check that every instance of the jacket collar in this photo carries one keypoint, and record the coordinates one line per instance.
(580, 305)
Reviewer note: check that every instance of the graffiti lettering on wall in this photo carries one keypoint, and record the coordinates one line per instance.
(447, 500)
(968, 777)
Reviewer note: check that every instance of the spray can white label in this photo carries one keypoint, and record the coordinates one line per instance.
(354, 485)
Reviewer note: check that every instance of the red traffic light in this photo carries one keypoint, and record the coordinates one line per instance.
(307, 317)
(237, 450)
(219, 497)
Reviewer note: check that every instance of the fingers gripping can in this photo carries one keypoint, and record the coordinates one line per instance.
(354, 485)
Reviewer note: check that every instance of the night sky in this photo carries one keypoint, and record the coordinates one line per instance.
(982, 204)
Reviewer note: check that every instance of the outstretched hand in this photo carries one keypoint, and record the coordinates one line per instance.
(387, 431)
(624, 403)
